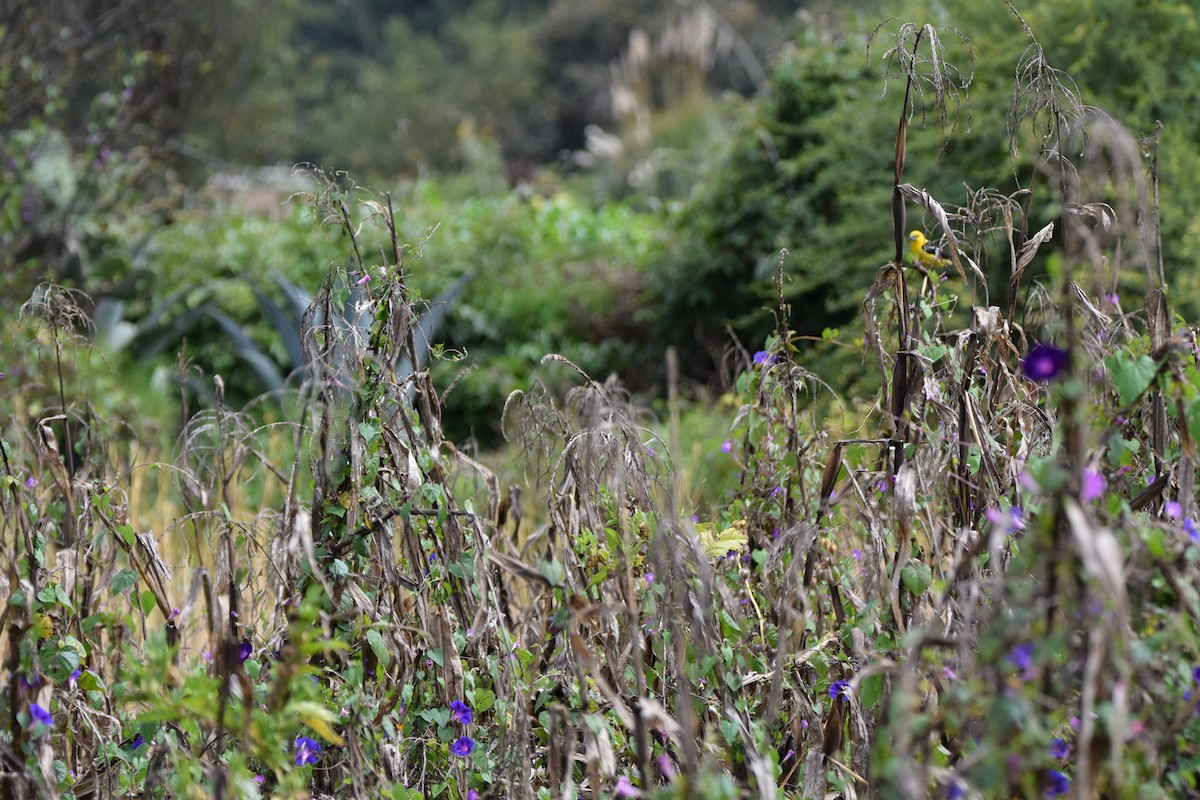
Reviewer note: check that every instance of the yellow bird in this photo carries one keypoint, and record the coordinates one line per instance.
(924, 253)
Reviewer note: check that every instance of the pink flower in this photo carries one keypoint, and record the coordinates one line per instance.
(1093, 487)
(625, 789)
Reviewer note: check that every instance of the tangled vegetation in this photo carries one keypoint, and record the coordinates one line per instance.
(979, 582)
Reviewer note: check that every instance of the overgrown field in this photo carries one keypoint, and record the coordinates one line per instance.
(981, 581)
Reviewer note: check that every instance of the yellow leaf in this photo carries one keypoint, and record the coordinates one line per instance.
(318, 718)
(718, 544)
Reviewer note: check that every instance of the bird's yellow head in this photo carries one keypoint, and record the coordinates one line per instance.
(917, 238)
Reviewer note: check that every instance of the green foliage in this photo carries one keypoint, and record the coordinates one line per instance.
(537, 275)
(808, 169)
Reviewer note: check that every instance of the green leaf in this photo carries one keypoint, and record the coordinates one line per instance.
(60, 595)
(551, 571)
(1193, 419)
(375, 640)
(933, 352)
(64, 663)
(123, 580)
(127, 533)
(147, 601)
(729, 730)
(484, 699)
(1131, 376)
(871, 690)
(916, 578)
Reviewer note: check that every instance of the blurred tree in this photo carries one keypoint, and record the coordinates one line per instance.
(95, 96)
(381, 88)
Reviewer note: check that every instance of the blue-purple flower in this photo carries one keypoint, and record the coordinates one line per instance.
(763, 358)
(1044, 362)
(307, 751)
(727, 447)
(1056, 783)
(1022, 655)
(840, 689)
(461, 713)
(463, 746)
(73, 679)
(1189, 527)
(1059, 748)
(40, 715)
(136, 742)
(472, 795)
(245, 650)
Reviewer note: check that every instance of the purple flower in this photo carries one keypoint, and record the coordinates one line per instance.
(463, 746)
(763, 359)
(366, 277)
(1056, 783)
(1006, 524)
(461, 713)
(30, 482)
(1173, 510)
(1189, 527)
(727, 446)
(1094, 485)
(649, 577)
(1196, 674)
(1022, 655)
(625, 789)
(955, 792)
(245, 650)
(472, 795)
(40, 715)
(666, 766)
(74, 678)
(1059, 748)
(137, 742)
(1044, 362)
(840, 689)
(307, 751)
